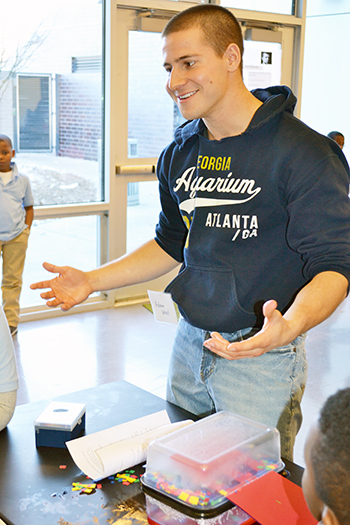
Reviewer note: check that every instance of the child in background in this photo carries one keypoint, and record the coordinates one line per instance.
(16, 217)
(337, 137)
(326, 479)
(8, 374)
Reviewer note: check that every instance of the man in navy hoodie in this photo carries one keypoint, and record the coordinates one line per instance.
(255, 206)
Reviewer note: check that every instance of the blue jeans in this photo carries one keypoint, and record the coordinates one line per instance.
(268, 388)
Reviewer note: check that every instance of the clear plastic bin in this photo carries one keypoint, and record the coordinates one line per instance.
(165, 511)
(197, 465)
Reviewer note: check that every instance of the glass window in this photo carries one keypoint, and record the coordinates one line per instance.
(152, 115)
(70, 241)
(142, 214)
(51, 96)
(60, 179)
(51, 106)
(152, 119)
(283, 7)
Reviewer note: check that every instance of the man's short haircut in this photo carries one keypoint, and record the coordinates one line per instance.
(5, 138)
(334, 134)
(219, 25)
(330, 456)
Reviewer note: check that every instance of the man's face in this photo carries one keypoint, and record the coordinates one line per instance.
(197, 78)
(6, 155)
(308, 482)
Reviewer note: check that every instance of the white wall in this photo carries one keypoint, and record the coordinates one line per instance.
(327, 7)
(325, 104)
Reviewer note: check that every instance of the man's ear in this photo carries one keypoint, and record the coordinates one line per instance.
(233, 55)
(328, 517)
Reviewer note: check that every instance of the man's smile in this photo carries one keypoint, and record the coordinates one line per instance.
(187, 95)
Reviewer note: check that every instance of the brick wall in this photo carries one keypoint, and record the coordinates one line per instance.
(79, 115)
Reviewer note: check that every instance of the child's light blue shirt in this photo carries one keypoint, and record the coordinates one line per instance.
(14, 197)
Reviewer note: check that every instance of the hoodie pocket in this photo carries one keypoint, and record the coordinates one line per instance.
(207, 299)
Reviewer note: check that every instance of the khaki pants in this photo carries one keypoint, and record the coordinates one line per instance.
(13, 257)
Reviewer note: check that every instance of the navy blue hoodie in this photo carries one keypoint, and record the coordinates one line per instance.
(252, 217)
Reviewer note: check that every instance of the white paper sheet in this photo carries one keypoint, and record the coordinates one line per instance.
(163, 307)
(104, 453)
(262, 64)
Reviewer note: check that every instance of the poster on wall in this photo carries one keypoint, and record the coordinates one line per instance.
(261, 64)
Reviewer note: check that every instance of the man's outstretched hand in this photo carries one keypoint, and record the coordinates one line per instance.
(69, 288)
(275, 332)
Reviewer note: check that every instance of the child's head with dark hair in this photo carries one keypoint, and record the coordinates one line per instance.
(5, 138)
(326, 480)
(6, 153)
(337, 137)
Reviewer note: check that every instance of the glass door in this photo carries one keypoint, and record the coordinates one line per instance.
(151, 126)
(145, 122)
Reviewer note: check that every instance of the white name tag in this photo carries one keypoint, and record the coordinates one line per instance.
(163, 307)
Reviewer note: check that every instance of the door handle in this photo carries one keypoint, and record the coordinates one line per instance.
(140, 169)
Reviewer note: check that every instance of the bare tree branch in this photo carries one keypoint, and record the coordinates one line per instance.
(10, 66)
